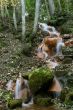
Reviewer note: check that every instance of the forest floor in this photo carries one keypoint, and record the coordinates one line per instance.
(12, 61)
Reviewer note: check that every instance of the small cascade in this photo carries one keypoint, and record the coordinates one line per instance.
(22, 91)
(17, 89)
(52, 63)
(49, 29)
(59, 46)
(28, 104)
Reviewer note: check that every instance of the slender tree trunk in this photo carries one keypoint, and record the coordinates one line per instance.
(67, 5)
(59, 3)
(37, 12)
(14, 18)
(51, 7)
(23, 19)
(47, 9)
(2, 9)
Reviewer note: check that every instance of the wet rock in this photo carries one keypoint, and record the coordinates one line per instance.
(67, 36)
(40, 79)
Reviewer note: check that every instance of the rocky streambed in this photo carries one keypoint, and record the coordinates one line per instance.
(13, 62)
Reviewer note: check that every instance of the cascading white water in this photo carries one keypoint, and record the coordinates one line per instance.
(21, 91)
(17, 89)
(49, 29)
(59, 46)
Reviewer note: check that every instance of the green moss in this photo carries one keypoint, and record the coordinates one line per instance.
(40, 78)
(69, 98)
(43, 101)
(63, 94)
(14, 103)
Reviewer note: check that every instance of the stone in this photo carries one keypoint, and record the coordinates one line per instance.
(40, 79)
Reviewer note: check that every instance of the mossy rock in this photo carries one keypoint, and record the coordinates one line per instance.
(40, 79)
(14, 103)
(68, 51)
(43, 101)
(27, 75)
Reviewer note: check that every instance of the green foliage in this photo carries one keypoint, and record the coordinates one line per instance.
(14, 103)
(67, 96)
(43, 101)
(40, 78)
(6, 95)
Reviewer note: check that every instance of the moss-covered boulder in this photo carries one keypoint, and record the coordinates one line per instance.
(68, 51)
(14, 103)
(40, 79)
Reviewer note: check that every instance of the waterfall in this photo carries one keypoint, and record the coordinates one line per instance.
(17, 89)
(59, 46)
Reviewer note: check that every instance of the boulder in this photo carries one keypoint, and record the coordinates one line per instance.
(40, 79)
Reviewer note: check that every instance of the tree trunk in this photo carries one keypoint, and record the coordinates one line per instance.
(47, 9)
(23, 19)
(37, 12)
(67, 5)
(14, 18)
(59, 3)
(51, 7)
